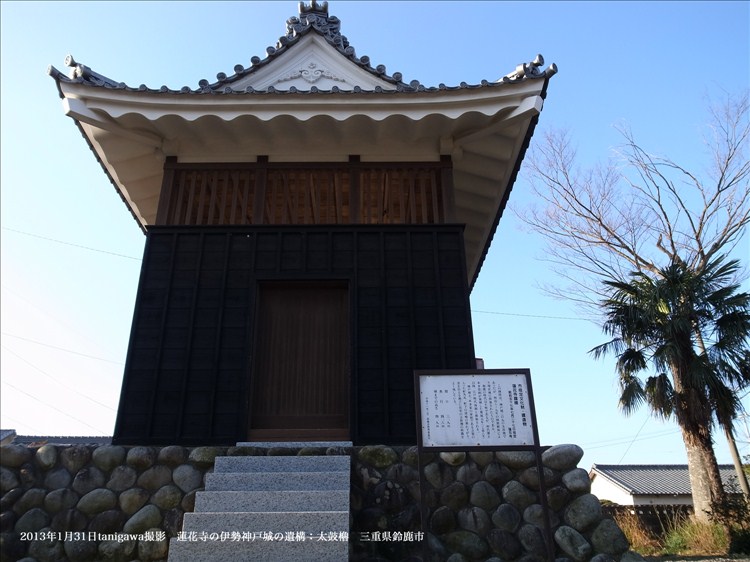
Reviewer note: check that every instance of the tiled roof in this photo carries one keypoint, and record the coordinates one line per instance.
(656, 479)
(7, 435)
(312, 18)
(62, 440)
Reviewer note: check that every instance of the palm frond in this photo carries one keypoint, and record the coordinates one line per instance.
(631, 361)
(632, 394)
(687, 322)
(660, 395)
(613, 346)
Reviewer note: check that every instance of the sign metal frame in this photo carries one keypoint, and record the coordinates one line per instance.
(490, 443)
(458, 375)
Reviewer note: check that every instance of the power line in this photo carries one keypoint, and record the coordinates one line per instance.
(44, 311)
(58, 381)
(635, 438)
(21, 423)
(61, 348)
(51, 406)
(518, 314)
(529, 315)
(71, 244)
(623, 440)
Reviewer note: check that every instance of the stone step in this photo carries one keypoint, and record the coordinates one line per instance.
(310, 550)
(284, 463)
(283, 481)
(307, 500)
(293, 444)
(308, 522)
(293, 497)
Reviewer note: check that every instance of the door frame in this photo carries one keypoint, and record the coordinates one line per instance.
(343, 282)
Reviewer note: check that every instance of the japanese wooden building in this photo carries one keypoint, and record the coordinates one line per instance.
(313, 229)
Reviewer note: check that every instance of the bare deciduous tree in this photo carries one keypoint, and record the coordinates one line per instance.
(620, 227)
(640, 211)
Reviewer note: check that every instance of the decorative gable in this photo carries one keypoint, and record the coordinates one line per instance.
(313, 62)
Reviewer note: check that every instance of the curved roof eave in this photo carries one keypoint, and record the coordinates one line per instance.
(129, 131)
(450, 103)
(503, 203)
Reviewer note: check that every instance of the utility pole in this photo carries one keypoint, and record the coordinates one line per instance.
(741, 476)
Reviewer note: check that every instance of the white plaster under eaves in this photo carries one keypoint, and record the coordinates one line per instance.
(311, 62)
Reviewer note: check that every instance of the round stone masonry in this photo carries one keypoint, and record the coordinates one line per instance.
(75, 458)
(577, 481)
(88, 479)
(483, 505)
(378, 456)
(583, 512)
(97, 501)
(33, 497)
(141, 458)
(14, 456)
(154, 478)
(122, 478)
(187, 477)
(8, 480)
(172, 456)
(107, 457)
(562, 457)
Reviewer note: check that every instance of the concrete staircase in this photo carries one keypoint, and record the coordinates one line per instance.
(269, 509)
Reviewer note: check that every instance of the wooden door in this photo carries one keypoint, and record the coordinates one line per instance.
(300, 377)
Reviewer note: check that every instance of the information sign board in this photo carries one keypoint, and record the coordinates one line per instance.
(470, 409)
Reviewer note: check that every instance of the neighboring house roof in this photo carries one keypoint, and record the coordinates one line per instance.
(311, 99)
(666, 479)
(62, 440)
(7, 436)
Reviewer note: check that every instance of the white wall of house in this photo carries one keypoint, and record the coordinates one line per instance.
(607, 490)
(662, 500)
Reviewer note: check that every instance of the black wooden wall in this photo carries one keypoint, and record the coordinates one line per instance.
(187, 373)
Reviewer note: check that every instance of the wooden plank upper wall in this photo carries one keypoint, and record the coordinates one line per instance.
(304, 194)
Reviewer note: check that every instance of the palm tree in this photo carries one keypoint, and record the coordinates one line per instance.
(687, 329)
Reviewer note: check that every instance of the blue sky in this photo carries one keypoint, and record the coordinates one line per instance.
(71, 251)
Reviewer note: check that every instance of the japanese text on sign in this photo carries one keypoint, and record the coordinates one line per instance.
(475, 410)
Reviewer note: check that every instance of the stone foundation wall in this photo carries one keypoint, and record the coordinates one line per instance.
(76, 502)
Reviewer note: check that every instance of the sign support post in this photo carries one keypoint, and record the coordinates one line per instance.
(479, 410)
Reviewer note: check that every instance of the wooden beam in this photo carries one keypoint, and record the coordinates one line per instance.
(261, 181)
(354, 187)
(446, 184)
(167, 189)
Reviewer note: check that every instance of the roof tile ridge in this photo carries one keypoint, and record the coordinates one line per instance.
(82, 74)
(312, 18)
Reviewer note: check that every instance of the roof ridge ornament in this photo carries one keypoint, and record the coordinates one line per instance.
(530, 70)
(85, 74)
(315, 16)
(314, 7)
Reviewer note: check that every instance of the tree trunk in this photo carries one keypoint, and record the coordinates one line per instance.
(699, 485)
(695, 419)
(705, 480)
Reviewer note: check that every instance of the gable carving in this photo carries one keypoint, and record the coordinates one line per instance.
(311, 74)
